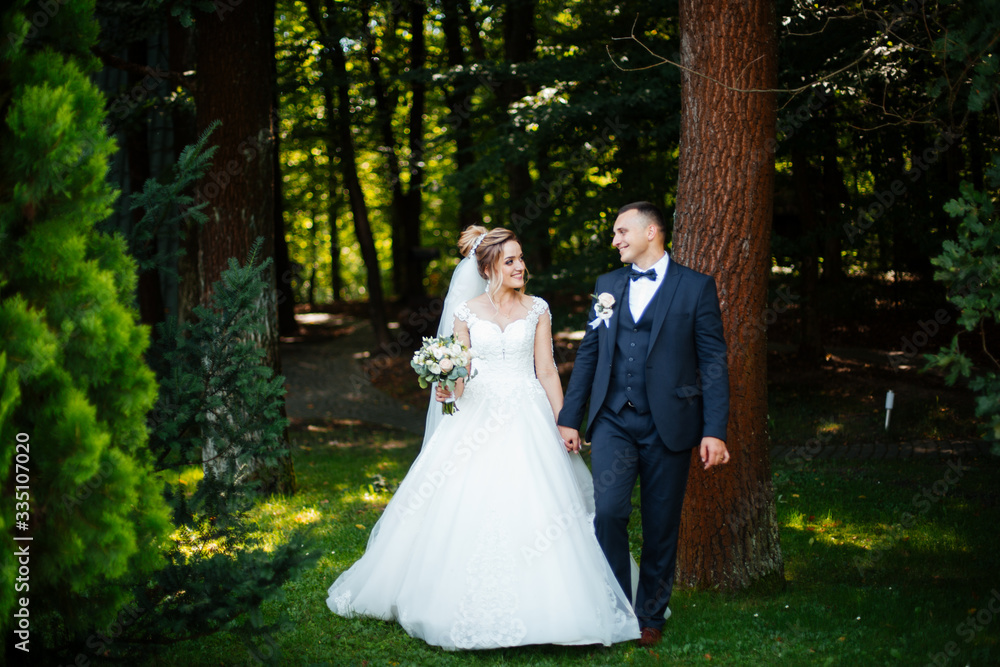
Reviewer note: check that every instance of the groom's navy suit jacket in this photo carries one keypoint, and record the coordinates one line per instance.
(687, 379)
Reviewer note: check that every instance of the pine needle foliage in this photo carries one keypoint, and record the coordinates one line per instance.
(220, 405)
(134, 557)
(219, 408)
(75, 387)
(168, 203)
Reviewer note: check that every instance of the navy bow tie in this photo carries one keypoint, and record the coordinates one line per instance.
(635, 275)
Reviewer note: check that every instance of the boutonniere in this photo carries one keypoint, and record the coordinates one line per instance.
(604, 309)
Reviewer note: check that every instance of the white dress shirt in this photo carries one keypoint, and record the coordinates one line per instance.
(641, 291)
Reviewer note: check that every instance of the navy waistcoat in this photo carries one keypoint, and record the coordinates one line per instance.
(628, 370)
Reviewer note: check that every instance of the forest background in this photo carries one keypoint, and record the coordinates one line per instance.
(338, 149)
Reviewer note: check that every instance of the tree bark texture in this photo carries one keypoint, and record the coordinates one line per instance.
(235, 46)
(729, 532)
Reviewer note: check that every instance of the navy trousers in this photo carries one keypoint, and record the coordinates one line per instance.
(626, 446)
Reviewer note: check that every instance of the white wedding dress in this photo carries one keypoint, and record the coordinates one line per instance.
(489, 539)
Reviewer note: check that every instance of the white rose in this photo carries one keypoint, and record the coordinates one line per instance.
(447, 365)
(438, 352)
(456, 349)
(606, 300)
(434, 368)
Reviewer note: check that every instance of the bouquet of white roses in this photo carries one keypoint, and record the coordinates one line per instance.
(442, 360)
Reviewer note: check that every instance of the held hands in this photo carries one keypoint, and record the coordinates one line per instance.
(571, 438)
(713, 452)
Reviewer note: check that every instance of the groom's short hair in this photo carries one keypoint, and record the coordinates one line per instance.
(649, 211)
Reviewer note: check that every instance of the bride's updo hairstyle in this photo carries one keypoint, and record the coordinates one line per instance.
(489, 249)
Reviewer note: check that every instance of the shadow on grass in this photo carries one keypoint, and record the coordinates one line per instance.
(864, 583)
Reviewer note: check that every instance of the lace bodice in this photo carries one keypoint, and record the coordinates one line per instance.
(504, 359)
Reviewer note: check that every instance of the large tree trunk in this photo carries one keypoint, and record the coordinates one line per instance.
(235, 48)
(729, 533)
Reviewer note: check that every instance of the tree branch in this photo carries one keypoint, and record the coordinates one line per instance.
(793, 91)
(186, 81)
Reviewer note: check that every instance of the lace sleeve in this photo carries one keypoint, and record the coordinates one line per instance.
(463, 313)
(538, 308)
(541, 315)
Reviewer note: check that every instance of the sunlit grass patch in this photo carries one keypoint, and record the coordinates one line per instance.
(863, 584)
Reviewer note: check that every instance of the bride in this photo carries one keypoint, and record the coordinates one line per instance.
(489, 539)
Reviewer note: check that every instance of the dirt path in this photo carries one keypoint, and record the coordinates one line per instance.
(326, 380)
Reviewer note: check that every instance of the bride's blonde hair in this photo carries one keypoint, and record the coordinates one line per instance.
(488, 252)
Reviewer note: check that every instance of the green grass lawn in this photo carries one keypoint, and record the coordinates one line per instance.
(877, 572)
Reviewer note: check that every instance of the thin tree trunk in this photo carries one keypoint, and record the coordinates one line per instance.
(834, 194)
(412, 204)
(338, 113)
(149, 293)
(282, 263)
(729, 532)
(475, 37)
(235, 85)
(406, 202)
(519, 47)
(807, 187)
(459, 99)
(333, 210)
(182, 58)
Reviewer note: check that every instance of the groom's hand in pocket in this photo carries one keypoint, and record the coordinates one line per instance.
(571, 438)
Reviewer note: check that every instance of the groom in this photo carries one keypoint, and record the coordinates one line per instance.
(654, 371)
